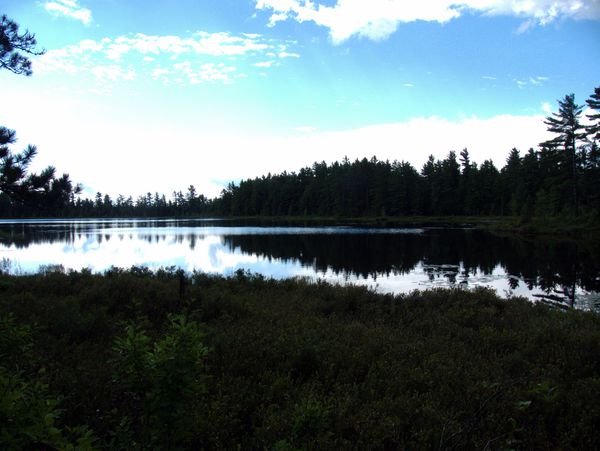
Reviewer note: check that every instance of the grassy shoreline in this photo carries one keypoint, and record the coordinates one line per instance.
(142, 359)
(584, 227)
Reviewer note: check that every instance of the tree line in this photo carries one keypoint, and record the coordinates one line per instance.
(560, 178)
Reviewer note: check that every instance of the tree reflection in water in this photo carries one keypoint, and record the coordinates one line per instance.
(557, 268)
(561, 270)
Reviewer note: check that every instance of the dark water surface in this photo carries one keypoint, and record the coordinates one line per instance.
(394, 260)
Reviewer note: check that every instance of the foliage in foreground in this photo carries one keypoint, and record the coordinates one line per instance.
(134, 359)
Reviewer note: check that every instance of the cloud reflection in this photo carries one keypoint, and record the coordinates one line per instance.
(388, 260)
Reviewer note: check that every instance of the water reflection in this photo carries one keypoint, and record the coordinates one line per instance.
(396, 260)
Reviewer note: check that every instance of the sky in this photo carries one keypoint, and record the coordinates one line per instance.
(153, 96)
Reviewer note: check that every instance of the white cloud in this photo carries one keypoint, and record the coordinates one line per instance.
(264, 64)
(209, 156)
(59, 60)
(525, 26)
(378, 19)
(116, 50)
(288, 55)
(113, 73)
(69, 8)
(159, 72)
(151, 53)
(224, 44)
(535, 81)
(208, 72)
(202, 43)
(408, 85)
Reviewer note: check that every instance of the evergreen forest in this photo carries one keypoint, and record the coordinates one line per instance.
(559, 179)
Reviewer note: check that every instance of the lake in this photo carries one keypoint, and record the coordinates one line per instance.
(395, 260)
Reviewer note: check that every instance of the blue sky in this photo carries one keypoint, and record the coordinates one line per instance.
(135, 96)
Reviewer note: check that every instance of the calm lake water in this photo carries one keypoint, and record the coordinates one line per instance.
(396, 260)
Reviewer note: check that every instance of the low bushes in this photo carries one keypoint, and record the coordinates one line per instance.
(135, 359)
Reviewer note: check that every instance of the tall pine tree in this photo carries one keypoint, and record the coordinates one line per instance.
(566, 124)
(593, 130)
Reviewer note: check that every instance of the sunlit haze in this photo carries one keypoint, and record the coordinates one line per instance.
(137, 96)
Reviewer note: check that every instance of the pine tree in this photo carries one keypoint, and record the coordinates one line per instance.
(593, 130)
(13, 46)
(466, 194)
(512, 184)
(41, 190)
(567, 126)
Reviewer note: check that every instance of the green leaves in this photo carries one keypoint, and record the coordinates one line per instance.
(161, 382)
(29, 414)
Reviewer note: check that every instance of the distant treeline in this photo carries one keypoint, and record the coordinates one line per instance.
(561, 178)
(536, 184)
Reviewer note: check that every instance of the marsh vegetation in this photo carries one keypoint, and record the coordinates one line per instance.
(137, 359)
